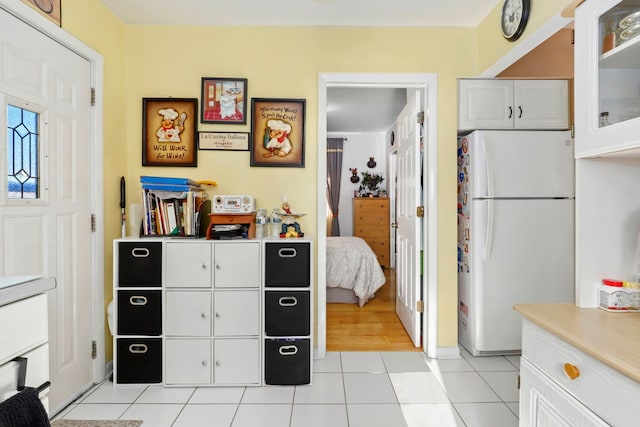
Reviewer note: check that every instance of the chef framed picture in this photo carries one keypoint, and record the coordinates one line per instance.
(277, 132)
(169, 132)
(223, 100)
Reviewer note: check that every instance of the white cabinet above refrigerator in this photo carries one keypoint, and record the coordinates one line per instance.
(491, 104)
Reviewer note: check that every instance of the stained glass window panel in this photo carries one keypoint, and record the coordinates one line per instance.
(23, 180)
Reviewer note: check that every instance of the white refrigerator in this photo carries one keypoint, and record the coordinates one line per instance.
(515, 232)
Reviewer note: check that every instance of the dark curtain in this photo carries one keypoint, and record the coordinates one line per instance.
(334, 170)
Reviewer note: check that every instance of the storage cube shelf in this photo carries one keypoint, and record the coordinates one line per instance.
(287, 313)
(192, 312)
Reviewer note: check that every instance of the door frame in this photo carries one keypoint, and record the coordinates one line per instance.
(429, 85)
(25, 13)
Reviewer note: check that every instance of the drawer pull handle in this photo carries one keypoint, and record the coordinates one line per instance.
(138, 300)
(288, 301)
(140, 252)
(288, 350)
(138, 348)
(287, 252)
(571, 371)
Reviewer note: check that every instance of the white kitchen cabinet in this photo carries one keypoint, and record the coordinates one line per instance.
(564, 386)
(545, 404)
(607, 157)
(513, 104)
(607, 80)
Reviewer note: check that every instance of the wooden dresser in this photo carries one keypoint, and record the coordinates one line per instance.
(371, 222)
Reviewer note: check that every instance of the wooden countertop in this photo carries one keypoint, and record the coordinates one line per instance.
(612, 338)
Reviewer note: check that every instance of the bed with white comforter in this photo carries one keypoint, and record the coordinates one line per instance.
(352, 266)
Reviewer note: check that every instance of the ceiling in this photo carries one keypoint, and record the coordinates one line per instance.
(348, 109)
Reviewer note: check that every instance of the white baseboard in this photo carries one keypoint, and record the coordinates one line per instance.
(449, 352)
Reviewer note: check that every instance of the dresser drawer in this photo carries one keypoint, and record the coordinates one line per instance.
(23, 326)
(598, 386)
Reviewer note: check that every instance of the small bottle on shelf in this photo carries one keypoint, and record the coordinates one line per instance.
(276, 222)
(262, 223)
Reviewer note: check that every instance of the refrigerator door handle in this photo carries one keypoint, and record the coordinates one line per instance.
(484, 176)
(488, 243)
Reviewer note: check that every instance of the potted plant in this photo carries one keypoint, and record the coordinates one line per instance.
(370, 183)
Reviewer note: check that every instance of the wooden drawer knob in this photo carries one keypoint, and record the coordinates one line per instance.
(571, 371)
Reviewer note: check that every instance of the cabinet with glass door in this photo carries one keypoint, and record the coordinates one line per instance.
(607, 77)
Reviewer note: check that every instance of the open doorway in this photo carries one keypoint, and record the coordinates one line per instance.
(427, 84)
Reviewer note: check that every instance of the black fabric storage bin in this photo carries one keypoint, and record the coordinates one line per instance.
(287, 361)
(287, 313)
(139, 360)
(287, 265)
(139, 312)
(140, 264)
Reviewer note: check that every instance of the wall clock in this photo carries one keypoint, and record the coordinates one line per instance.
(514, 17)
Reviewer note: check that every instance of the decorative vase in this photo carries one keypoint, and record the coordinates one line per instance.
(371, 163)
(354, 177)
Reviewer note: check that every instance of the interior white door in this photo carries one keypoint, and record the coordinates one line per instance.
(408, 232)
(50, 234)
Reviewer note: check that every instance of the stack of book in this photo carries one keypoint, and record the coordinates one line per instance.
(172, 206)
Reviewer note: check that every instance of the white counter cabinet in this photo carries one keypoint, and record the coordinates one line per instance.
(575, 369)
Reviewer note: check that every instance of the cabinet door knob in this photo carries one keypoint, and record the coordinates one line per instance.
(204, 316)
(217, 363)
(217, 315)
(510, 112)
(204, 363)
(204, 266)
(520, 110)
(217, 266)
(571, 371)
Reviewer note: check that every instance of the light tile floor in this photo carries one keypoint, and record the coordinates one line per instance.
(349, 389)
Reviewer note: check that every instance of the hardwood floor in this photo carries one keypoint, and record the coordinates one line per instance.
(374, 327)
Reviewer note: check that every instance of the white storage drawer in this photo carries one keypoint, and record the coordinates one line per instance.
(37, 372)
(598, 386)
(23, 326)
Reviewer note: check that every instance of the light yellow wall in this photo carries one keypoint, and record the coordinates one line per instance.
(492, 46)
(151, 61)
(285, 62)
(98, 28)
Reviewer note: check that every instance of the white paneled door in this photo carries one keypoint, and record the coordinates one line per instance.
(408, 238)
(49, 232)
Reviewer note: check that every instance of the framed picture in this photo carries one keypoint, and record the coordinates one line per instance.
(223, 100)
(232, 141)
(169, 130)
(49, 8)
(277, 132)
